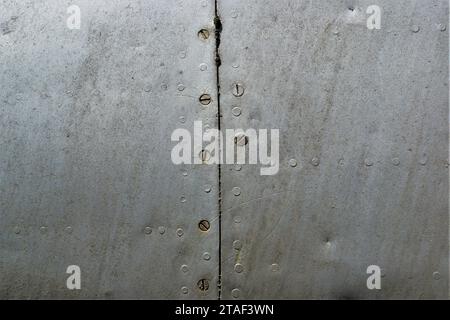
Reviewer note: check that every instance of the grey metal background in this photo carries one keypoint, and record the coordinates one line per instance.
(342, 94)
(85, 123)
(86, 117)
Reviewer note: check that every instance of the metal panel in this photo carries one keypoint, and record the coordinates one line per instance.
(86, 176)
(363, 119)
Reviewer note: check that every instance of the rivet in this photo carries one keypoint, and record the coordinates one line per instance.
(184, 173)
(237, 219)
(238, 89)
(442, 27)
(293, 163)
(182, 199)
(240, 139)
(183, 54)
(341, 162)
(180, 232)
(161, 230)
(203, 285)
(43, 229)
(69, 230)
(396, 162)
(148, 89)
(436, 275)
(182, 119)
(236, 111)
(148, 230)
(315, 161)
(235, 293)
(238, 268)
(204, 225)
(415, 28)
(181, 87)
(17, 230)
(275, 267)
(203, 67)
(205, 99)
(235, 65)
(234, 14)
(206, 256)
(368, 162)
(238, 167)
(336, 32)
(237, 191)
(184, 268)
(237, 245)
(423, 161)
(203, 34)
(184, 290)
(208, 188)
(164, 86)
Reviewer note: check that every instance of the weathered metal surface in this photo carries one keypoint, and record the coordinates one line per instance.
(85, 172)
(363, 119)
(86, 176)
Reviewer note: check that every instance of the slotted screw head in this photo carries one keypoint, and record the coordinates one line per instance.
(238, 89)
(241, 139)
(203, 285)
(203, 34)
(205, 99)
(204, 156)
(204, 225)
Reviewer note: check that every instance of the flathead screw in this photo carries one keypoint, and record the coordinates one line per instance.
(241, 139)
(203, 34)
(204, 225)
(203, 285)
(204, 156)
(238, 89)
(205, 99)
